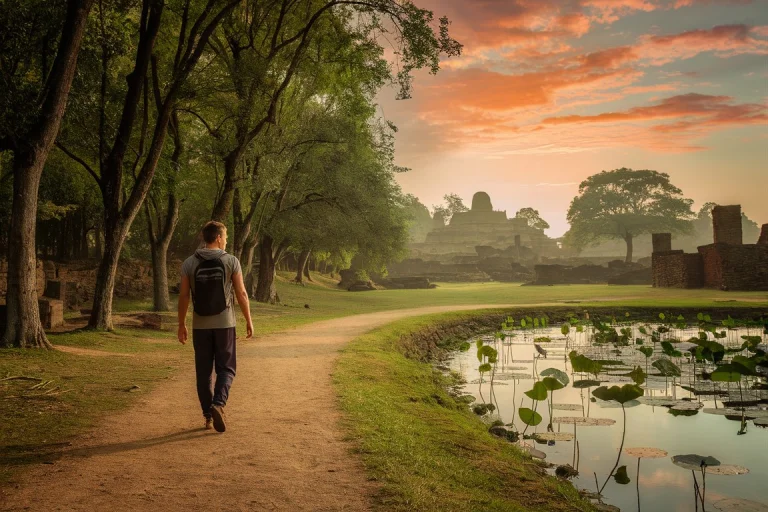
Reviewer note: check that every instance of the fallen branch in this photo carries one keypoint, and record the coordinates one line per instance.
(21, 377)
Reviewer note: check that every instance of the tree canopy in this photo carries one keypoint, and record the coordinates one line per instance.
(624, 203)
(533, 217)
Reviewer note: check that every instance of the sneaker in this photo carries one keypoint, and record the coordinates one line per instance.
(208, 423)
(217, 411)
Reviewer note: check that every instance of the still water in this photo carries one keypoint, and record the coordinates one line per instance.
(660, 485)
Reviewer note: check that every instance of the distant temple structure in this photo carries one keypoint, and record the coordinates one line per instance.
(482, 226)
(726, 264)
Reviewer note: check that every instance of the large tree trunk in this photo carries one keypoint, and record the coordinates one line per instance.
(23, 327)
(265, 289)
(301, 266)
(161, 297)
(628, 240)
(101, 314)
(226, 197)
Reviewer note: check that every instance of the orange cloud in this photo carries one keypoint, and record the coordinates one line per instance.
(724, 40)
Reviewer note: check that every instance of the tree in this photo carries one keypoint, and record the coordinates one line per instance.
(624, 203)
(532, 216)
(42, 75)
(453, 204)
(420, 221)
(127, 152)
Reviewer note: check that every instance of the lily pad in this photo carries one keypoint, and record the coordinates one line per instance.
(584, 422)
(761, 422)
(657, 401)
(621, 394)
(556, 374)
(533, 452)
(555, 436)
(666, 367)
(694, 462)
(727, 469)
(529, 417)
(586, 383)
(567, 407)
(538, 392)
(748, 413)
(740, 505)
(687, 406)
(645, 453)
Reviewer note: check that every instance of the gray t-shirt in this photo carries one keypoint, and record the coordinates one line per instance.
(231, 266)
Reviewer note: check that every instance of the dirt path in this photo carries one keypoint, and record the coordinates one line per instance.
(283, 449)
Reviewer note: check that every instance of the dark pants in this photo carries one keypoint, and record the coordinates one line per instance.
(214, 348)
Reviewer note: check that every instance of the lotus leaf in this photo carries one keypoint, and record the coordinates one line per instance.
(740, 505)
(726, 373)
(746, 365)
(464, 347)
(543, 339)
(637, 375)
(565, 329)
(552, 384)
(618, 394)
(529, 417)
(727, 469)
(558, 375)
(646, 351)
(645, 453)
(621, 476)
(584, 422)
(666, 367)
(694, 462)
(533, 452)
(485, 367)
(555, 436)
(538, 392)
(567, 407)
(586, 383)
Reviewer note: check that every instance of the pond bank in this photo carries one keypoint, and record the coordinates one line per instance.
(424, 447)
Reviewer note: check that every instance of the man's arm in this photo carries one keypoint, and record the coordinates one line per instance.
(242, 300)
(183, 306)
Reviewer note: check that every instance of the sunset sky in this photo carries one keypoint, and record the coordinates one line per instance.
(548, 92)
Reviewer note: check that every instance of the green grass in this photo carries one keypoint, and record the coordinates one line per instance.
(96, 385)
(429, 452)
(34, 428)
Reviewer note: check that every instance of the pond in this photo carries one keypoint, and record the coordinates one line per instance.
(705, 397)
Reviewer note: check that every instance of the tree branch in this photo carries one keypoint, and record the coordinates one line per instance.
(79, 160)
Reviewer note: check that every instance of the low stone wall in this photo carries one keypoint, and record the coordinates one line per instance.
(676, 269)
(735, 267)
(133, 280)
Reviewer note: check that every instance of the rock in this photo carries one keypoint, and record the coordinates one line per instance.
(566, 471)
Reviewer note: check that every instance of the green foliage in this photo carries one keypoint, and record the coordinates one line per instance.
(646, 351)
(552, 384)
(666, 367)
(538, 392)
(624, 203)
(529, 416)
(727, 373)
(621, 394)
(533, 218)
(584, 364)
(556, 374)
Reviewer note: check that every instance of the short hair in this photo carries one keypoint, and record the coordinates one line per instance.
(212, 230)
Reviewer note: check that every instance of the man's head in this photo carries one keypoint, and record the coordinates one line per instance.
(215, 235)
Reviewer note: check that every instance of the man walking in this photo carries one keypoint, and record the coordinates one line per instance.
(211, 275)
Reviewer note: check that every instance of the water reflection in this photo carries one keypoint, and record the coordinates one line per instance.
(674, 413)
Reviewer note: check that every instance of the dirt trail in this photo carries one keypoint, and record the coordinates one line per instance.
(283, 449)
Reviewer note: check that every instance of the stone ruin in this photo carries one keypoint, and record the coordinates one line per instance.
(725, 264)
(482, 226)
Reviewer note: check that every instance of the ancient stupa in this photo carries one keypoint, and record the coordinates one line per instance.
(481, 226)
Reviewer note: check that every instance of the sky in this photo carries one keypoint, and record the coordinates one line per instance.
(549, 92)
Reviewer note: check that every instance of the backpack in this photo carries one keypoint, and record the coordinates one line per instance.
(208, 296)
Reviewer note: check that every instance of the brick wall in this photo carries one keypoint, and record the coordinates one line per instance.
(676, 269)
(726, 224)
(662, 242)
(735, 267)
(763, 235)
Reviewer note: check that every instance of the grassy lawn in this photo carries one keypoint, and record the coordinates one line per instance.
(428, 451)
(97, 385)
